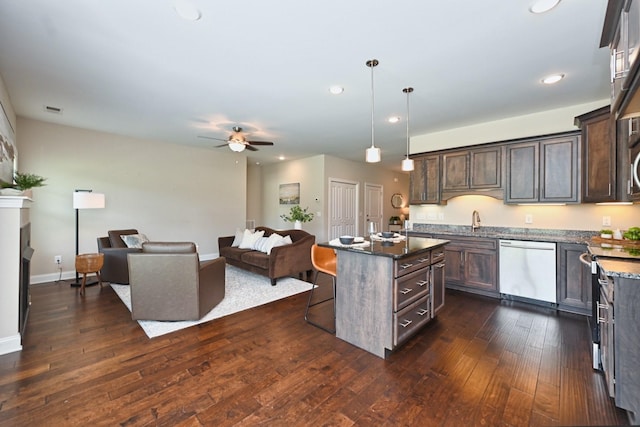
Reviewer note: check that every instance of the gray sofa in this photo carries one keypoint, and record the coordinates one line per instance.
(283, 261)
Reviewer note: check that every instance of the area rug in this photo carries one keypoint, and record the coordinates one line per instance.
(243, 290)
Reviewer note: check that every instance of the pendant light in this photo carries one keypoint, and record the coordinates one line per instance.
(407, 163)
(372, 155)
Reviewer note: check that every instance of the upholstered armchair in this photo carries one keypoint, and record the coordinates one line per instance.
(169, 283)
(115, 269)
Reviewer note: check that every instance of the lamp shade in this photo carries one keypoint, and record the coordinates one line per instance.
(88, 200)
(372, 155)
(407, 165)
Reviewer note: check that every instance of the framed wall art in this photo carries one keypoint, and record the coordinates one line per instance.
(8, 151)
(289, 194)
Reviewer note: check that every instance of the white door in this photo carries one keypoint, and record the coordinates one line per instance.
(343, 208)
(373, 205)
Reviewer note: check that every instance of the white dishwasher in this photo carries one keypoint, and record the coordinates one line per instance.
(528, 269)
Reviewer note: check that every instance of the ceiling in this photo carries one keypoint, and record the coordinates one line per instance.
(136, 68)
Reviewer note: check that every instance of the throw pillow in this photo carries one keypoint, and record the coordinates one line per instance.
(281, 242)
(272, 241)
(134, 240)
(261, 244)
(249, 239)
(238, 238)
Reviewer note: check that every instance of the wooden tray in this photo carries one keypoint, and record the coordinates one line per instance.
(633, 244)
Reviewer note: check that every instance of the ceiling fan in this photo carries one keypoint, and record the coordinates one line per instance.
(237, 141)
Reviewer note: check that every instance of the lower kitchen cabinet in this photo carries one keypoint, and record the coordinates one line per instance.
(472, 264)
(437, 279)
(574, 279)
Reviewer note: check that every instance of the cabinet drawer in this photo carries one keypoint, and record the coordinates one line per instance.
(412, 263)
(410, 319)
(437, 255)
(410, 288)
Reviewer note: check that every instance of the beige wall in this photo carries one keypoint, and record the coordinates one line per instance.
(169, 192)
(313, 174)
(6, 103)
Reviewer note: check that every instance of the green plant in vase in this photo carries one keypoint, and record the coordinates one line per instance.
(24, 182)
(297, 215)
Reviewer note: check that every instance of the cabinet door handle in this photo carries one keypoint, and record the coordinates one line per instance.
(405, 266)
(421, 260)
(405, 323)
(441, 265)
(422, 311)
(421, 283)
(406, 291)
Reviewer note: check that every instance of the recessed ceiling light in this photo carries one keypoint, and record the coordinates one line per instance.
(542, 6)
(281, 157)
(554, 78)
(395, 119)
(187, 11)
(336, 90)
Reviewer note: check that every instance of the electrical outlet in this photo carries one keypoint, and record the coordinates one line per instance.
(606, 221)
(57, 259)
(440, 216)
(528, 219)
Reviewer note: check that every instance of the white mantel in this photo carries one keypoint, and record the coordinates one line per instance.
(14, 213)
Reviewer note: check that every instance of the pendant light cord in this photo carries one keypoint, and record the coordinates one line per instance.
(373, 64)
(407, 90)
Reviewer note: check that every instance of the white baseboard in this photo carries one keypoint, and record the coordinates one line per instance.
(67, 275)
(10, 344)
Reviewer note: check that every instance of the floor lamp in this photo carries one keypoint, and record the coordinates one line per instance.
(85, 199)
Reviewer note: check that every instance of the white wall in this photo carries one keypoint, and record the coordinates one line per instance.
(168, 192)
(542, 123)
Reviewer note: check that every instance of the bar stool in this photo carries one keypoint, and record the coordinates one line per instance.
(89, 263)
(324, 261)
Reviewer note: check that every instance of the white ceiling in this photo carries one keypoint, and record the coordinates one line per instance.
(134, 67)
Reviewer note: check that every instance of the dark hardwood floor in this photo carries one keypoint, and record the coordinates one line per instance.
(482, 362)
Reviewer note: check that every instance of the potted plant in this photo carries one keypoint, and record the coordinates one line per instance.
(606, 233)
(24, 182)
(297, 215)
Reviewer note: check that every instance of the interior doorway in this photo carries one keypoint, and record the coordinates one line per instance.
(343, 208)
(373, 205)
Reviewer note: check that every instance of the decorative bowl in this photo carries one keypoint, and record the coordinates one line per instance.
(346, 240)
(388, 234)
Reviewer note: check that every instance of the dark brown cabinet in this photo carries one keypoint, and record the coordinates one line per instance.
(471, 264)
(574, 279)
(599, 182)
(437, 279)
(467, 171)
(543, 171)
(424, 180)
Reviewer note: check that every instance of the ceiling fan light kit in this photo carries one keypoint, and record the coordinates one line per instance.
(372, 155)
(407, 163)
(237, 142)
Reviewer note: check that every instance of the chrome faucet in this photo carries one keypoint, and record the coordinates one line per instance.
(475, 221)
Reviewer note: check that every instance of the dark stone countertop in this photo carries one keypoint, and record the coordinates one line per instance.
(507, 233)
(412, 245)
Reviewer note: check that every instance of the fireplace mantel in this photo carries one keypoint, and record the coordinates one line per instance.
(14, 215)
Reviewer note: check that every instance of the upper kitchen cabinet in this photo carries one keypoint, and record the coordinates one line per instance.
(472, 171)
(543, 171)
(424, 180)
(599, 183)
(621, 33)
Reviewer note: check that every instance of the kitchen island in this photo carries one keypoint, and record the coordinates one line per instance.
(387, 290)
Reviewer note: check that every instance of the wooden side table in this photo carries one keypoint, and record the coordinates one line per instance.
(89, 263)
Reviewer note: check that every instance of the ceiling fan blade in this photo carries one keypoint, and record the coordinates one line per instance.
(260, 142)
(211, 137)
(250, 148)
(221, 145)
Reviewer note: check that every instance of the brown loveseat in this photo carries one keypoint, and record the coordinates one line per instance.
(289, 260)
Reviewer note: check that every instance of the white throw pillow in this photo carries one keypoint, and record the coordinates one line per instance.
(134, 240)
(249, 239)
(272, 240)
(281, 242)
(238, 238)
(261, 244)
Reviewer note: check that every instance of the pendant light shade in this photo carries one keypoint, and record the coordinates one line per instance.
(372, 155)
(407, 163)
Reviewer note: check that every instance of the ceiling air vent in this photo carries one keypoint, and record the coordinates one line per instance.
(54, 110)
